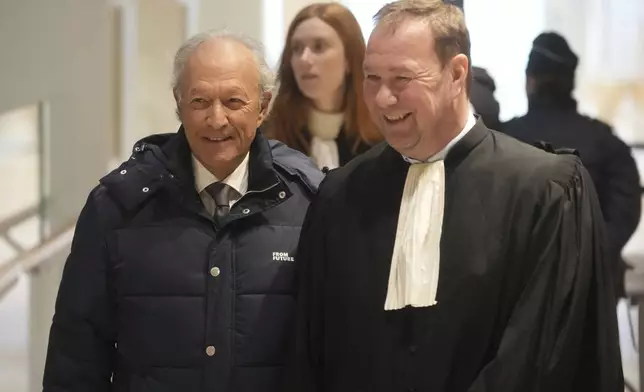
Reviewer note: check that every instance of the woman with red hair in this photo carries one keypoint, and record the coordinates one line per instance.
(319, 108)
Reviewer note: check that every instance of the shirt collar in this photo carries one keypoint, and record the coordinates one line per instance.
(238, 179)
(471, 121)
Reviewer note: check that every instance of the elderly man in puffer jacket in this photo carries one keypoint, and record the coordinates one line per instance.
(181, 273)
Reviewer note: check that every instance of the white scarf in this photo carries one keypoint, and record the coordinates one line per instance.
(324, 129)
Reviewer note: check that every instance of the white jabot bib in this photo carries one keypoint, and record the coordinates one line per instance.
(415, 263)
(413, 278)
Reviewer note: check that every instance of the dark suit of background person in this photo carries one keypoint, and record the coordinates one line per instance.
(482, 98)
(553, 118)
(177, 280)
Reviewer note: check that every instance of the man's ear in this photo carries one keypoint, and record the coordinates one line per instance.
(265, 102)
(460, 71)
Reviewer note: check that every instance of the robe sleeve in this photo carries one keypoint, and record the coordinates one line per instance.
(306, 361)
(562, 333)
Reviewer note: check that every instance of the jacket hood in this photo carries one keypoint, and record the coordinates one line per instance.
(296, 164)
(141, 176)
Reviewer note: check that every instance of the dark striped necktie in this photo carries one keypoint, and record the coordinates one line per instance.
(220, 192)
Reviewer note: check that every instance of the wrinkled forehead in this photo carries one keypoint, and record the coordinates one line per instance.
(390, 62)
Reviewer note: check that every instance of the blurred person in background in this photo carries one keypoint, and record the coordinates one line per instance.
(181, 272)
(553, 118)
(482, 98)
(319, 108)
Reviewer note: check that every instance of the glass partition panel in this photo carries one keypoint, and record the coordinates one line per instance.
(20, 229)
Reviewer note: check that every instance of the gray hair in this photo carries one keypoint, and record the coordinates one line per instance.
(186, 50)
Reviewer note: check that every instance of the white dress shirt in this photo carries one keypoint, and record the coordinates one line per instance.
(238, 180)
(471, 121)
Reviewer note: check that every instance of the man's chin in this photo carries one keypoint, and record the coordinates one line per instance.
(403, 145)
(220, 156)
(225, 148)
(225, 158)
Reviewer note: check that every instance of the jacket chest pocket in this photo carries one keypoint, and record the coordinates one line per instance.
(264, 260)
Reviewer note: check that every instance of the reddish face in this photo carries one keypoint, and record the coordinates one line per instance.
(408, 91)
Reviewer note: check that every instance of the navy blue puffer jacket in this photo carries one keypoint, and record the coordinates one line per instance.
(155, 297)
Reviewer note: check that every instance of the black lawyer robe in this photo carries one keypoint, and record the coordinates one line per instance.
(525, 298)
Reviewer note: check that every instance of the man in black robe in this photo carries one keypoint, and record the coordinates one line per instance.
(523, 300)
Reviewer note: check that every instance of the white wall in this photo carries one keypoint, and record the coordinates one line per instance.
(51, 54)
(241, 15)
(161, 32)
(160, 28)
(501, 32)
(58, 52)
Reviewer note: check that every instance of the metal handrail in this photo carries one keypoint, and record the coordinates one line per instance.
(15, 219)
(7, 224)
(34, 258)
